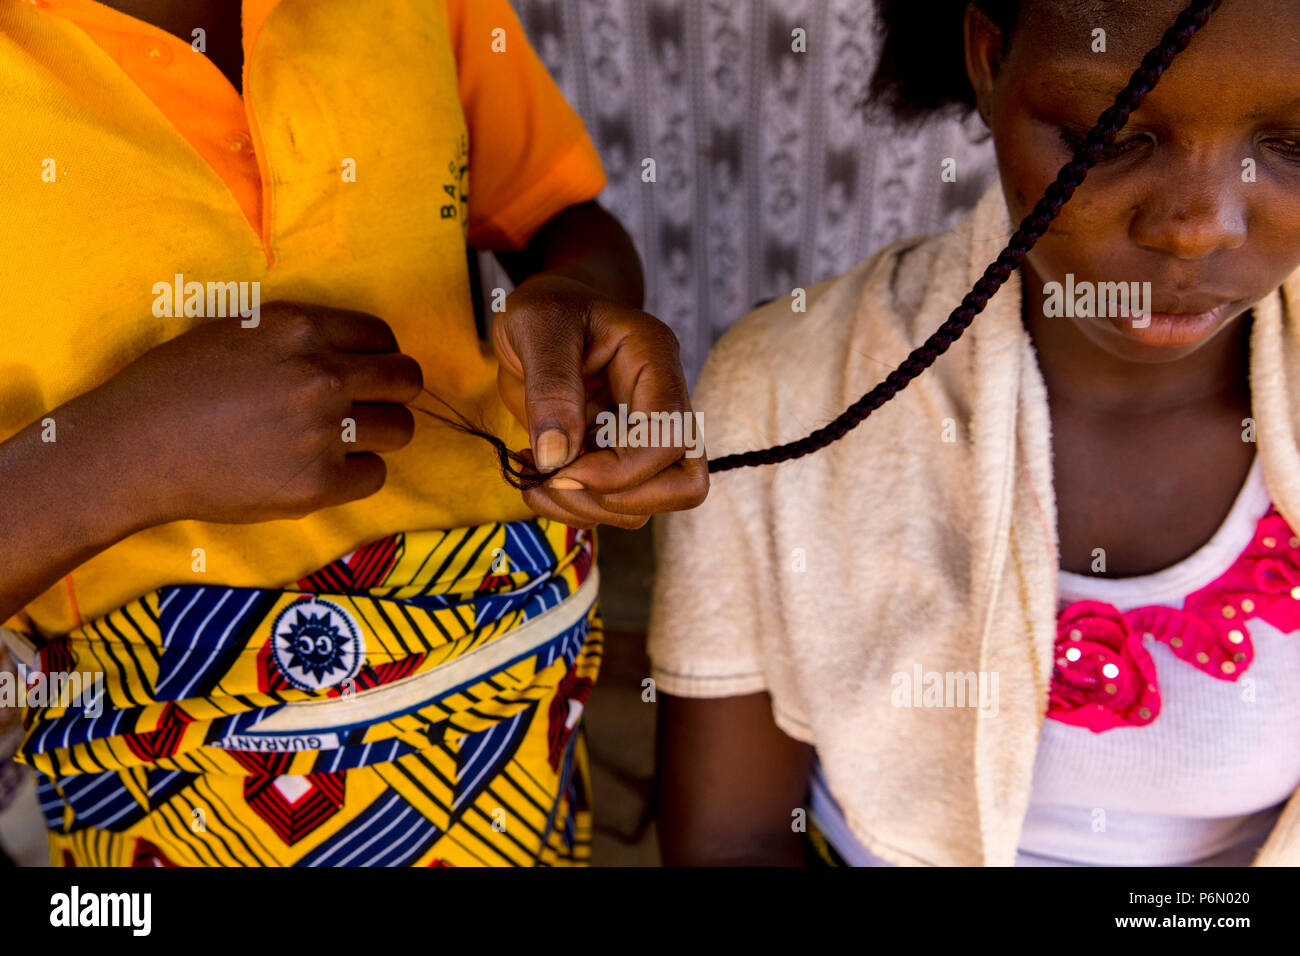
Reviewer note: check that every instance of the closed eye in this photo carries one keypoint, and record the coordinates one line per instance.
(1072, 141)
(1286, 148)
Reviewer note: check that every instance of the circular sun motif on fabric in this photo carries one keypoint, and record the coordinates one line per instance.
(317, 644)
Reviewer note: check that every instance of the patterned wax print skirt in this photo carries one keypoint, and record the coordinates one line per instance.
(416, 703)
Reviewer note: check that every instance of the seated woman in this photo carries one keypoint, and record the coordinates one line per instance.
(1043, 607)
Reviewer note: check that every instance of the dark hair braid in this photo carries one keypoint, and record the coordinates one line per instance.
(1072, 174)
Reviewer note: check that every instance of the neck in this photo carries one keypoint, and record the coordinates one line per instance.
(1082, 375)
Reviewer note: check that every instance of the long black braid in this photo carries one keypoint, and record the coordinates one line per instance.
(519, 470)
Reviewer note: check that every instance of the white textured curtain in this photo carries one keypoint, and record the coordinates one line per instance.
(769, 177)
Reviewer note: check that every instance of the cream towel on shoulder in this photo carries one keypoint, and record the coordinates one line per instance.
(923, 542)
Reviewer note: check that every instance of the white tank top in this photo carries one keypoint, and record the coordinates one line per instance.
(1202, 781)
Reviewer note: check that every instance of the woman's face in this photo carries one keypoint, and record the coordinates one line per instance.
(1200, 192)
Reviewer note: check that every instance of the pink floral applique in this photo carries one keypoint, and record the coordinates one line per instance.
(1263, 583)
(1104, 676)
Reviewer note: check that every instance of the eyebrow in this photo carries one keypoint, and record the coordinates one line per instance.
(1067, 85)
(1256, 114)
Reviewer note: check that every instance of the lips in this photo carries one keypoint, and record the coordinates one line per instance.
(1172, 329)
(1187, 305)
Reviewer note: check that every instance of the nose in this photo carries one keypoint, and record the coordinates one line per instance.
(1192, 214)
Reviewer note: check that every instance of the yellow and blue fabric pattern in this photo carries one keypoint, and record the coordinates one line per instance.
(417, 702)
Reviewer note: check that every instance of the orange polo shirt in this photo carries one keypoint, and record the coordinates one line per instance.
(370, 143)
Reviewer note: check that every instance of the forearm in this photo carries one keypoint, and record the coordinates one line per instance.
(584, 243)
(63, 500)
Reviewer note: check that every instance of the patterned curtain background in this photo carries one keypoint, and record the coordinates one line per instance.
(769, 177)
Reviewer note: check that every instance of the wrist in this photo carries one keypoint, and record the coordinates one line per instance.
(591, 279)
(557, 283)
(112, 483)
(64, 502)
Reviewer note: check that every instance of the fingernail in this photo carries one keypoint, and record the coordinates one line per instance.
(552, 449)
(566, 484)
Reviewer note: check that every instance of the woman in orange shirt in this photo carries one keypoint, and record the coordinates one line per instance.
(314, 628)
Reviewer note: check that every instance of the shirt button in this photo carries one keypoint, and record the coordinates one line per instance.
(238, 142)
(155, 51)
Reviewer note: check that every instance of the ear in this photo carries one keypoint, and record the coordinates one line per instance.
(984, 42)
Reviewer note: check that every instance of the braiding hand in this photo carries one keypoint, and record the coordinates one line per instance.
(566, 355)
